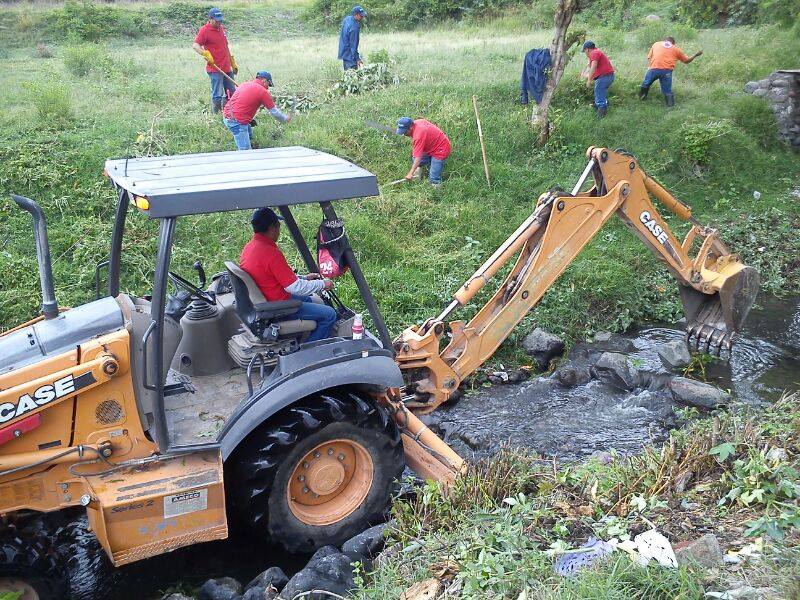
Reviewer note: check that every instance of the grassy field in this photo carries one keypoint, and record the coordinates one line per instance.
(69, 106)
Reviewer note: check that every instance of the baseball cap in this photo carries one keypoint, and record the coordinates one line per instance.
(359, 10)
(263, 218)
(215, 14)
(588, 44)
(404, 124)
(265, 75)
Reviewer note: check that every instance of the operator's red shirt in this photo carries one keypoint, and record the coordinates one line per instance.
(603, 64)
(429, 140)
(266, 264)
(216, 42)
(246, 100)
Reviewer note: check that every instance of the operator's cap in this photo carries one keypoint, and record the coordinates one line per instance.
(215, 14)
(265, 75)
(404, 124)
(359, 10)
(263, 218)
(588, 44)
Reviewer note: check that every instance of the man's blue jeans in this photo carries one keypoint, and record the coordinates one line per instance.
(436, 165)
(241, 133)
(601, 85)
(220, 86)
(664, 77)
(324, 315)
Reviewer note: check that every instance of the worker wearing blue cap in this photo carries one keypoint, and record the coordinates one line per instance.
(211, 42)
(600, 74)
(244, 104)
(348, 38)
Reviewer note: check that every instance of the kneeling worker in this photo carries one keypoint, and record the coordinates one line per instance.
(430, 147)
(265, 263)
(244, 104)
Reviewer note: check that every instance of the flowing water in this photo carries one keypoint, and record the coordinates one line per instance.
(566, 423)
(574, 422)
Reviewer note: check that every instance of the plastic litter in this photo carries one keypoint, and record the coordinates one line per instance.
(651, 545)
(590, 553)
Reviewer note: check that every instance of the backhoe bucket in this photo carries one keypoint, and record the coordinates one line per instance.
(714, 319)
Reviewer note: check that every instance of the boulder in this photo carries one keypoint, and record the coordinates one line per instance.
(259, 593)
(224, 588)
(704, 551)
(652, 18)
(696, 393)
(751, 86)
(613, 368)
(273, 577)
(330, 573)
(572, 374)
(177, 597)
(366, 546)
(675, 354)
(542, 346)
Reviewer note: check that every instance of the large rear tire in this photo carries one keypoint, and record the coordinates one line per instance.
(29, 566)
(317, 473)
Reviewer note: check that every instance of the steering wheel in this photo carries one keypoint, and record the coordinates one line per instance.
(193, 291)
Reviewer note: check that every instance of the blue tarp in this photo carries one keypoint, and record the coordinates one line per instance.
(534, 74)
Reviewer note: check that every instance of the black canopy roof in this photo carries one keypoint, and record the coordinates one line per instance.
(221, 181)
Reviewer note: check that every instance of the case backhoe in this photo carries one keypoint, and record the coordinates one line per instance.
(716, 288)
(164, 413)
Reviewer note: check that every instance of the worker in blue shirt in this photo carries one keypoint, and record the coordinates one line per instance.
(348, 38)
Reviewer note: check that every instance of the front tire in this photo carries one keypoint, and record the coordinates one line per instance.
(319, 472)
(30, 567)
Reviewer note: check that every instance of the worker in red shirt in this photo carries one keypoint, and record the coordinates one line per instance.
(661, 61)
(600, 74)
(211, 42)
(430, 148)
(244, 104)
(263, 260)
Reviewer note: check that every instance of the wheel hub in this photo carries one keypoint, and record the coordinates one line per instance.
(330, 482)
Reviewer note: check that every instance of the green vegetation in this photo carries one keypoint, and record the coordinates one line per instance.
(149, 95)
(498, 529)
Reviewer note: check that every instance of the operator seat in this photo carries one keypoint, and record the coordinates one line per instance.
(257, 313)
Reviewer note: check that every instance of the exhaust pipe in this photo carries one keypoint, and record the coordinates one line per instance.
(49, 304)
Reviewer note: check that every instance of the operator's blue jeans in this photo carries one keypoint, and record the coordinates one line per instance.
(220, 86)
(241, 133)
(436, 165)
(601, 85)
(664, 77)
(324, 315)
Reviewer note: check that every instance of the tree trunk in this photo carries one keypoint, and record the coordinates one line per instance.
(565, 10)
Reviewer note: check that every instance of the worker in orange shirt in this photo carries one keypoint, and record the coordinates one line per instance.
(662, 58)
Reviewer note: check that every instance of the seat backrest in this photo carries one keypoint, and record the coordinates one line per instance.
(246, 293)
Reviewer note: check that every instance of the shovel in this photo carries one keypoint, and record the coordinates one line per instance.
(379, 126)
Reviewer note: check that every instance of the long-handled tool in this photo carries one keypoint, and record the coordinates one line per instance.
(480, 137)
(225, 75)
(379, 126)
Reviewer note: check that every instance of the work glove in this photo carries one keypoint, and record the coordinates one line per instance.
(234, 66)
(207, 55)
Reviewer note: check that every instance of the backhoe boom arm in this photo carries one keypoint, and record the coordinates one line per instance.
(717, 290)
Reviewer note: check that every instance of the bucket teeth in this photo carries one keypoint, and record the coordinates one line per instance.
(709, 339)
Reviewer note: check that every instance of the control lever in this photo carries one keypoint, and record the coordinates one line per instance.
(201, 273)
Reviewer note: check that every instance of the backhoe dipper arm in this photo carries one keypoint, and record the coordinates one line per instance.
(546, 244)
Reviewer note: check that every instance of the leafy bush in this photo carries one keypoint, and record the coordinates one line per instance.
(52, 102)
(370, 77)
(85, 20)
(653, 31)
(82, 59)
(697, 138)
(709, 13)
(754, 116)
(404, 14)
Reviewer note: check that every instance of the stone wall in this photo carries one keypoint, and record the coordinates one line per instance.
(782, 90)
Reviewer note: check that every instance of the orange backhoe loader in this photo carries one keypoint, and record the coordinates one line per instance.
(164, 414)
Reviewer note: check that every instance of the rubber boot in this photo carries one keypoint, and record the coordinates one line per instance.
(216, 106)
(643, 89)
(670, 100)
(602, 111)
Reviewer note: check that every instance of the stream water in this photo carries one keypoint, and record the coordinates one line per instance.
(566, 423)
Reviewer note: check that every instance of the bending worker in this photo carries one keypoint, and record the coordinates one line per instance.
(662, 58)
(599, 74)
(430, 148)
(348, 38)
(243, 106)
(211, 42)
(265, 263)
